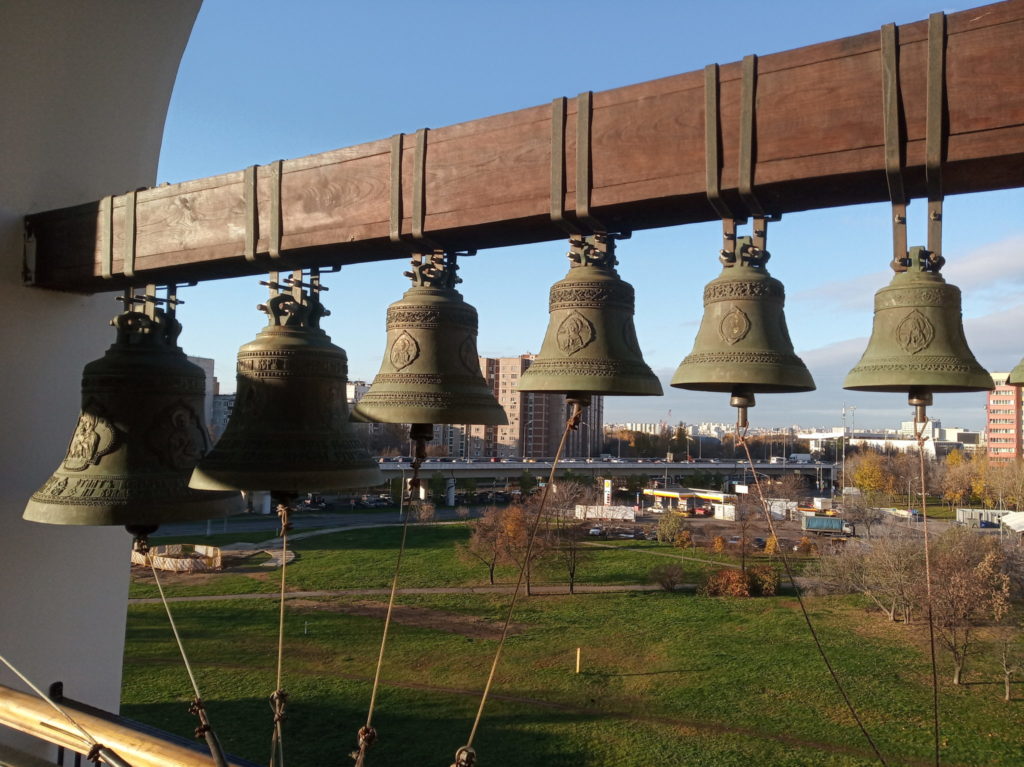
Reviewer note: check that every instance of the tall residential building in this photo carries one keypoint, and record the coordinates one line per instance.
(535, 420)
(212, 386)
(1003, 424)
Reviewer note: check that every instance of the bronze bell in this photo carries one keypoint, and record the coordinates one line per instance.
(1016, 377)
(139, 435)
(431, 370)
(591, 346)
(289, 431)
(917, 341)
(743, 345)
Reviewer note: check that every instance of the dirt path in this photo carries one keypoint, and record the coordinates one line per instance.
(538, 590)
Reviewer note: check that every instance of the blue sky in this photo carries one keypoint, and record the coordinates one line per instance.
(262, 81)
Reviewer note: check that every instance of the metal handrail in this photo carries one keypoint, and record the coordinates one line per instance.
(32, 716)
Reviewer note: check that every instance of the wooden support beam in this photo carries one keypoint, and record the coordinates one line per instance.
(488, 182)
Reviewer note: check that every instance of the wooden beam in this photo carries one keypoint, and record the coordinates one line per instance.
(487, 182)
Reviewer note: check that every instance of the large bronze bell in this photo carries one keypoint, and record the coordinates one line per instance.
(591, 346)
(289, 431)
(1016, 377)
(139, 435)
(431, 371)
(743, 345)
(917, 341)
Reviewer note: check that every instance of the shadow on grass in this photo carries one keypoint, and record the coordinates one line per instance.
(413, 729)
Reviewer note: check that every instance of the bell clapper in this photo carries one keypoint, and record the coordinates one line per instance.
(140, 536)
(919, 398)
(420, 434)
(741, 400)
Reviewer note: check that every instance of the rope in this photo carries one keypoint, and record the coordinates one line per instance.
(919, 434)
(466, 756)
(367, 735)
(278, 698)
(196, 707)
(742, 438)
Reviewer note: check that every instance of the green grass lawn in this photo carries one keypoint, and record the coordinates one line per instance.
(687, 679)
(366, 559)
(668, 679)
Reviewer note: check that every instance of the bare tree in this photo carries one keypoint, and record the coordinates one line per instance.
(887, 574)
(969, 588)
(485, 543)
(859, 512)
(566, 545)
(792, 487)
(1011, 661)
(520, 544)
(748, 510)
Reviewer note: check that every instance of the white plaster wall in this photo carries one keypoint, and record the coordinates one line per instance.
(84, 88)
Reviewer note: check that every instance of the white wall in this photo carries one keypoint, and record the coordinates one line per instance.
(83, 95)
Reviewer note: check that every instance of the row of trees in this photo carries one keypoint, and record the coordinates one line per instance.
(894, 479)
(974, 579)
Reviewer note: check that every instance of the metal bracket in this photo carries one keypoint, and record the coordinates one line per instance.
(713, 160)
(558, 166)
(420, 243)
(395, 218)
(252, 223)
(107, 229)
(274, 248)
(584, 179)
(893, 134)
(748, 151)
(935, 131)
(128, 268)
(252, 216)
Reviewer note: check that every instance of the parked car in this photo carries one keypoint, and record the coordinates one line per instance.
(758, 543)
(595, 531)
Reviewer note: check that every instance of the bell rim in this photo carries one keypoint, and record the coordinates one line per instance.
(728, 387)
(143, 512)
(906, 387)
(309, 481)
(405, 414)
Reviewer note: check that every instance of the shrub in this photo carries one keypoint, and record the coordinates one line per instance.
(727, 582)
(718, 544)
(764, 580)
(760, 580)
(668, 576)
(771, 546)
(669, 527)
(683, 539)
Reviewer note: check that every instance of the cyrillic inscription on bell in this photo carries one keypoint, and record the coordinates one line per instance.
(590, 346)
(139, 435)
(917, 337)
(289, 431)
(431, 371)
(743, 344)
